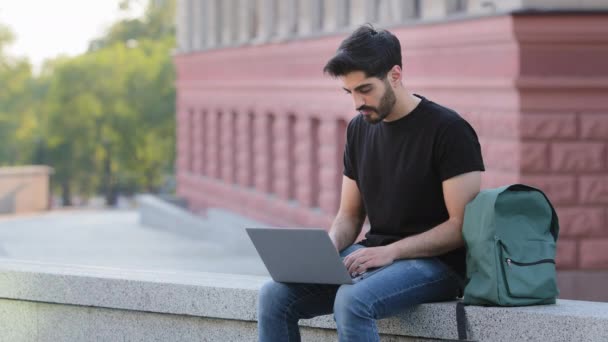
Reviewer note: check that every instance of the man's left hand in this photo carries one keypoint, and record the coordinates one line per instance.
(363, 259)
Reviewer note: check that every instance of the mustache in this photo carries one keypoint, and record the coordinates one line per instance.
(367, 108)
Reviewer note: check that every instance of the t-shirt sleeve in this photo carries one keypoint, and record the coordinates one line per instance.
(348, 168)
(458, 151)
(349, 164)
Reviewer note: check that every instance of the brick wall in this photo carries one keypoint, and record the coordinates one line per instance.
(563, 82)
(261, 130)
(566, 155)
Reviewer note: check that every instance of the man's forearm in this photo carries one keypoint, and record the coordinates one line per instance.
(344, 230)
(439, 240)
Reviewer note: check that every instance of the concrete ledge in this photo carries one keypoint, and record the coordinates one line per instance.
(112, 304)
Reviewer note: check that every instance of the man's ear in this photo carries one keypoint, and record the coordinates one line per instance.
(395, 75)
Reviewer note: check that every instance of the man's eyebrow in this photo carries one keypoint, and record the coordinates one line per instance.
(358, 88)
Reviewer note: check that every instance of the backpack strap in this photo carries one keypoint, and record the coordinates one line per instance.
(461, 321)
(554, 219)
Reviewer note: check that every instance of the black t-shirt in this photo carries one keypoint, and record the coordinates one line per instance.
(399, 167)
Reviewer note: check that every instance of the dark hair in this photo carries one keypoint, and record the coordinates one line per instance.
(369, 50)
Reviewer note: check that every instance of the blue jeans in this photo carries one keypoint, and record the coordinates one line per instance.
(356, 308)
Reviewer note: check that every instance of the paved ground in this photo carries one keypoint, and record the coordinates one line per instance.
(114, 238)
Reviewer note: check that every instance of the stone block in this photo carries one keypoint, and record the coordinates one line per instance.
(559, 189)
(534, 157)
(577, 157)
(498, 125)
(594, 189)
(594, 126)
(582, 221)
(567, 253)
(548, 126)
(593, 253)
(500, 154)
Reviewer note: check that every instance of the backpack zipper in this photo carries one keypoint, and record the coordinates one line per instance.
(543, 261)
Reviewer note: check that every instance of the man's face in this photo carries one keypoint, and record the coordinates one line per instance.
(374, 98)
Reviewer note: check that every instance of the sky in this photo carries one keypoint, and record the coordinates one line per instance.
(45, 29)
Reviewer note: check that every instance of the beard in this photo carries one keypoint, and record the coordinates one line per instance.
(387, 102)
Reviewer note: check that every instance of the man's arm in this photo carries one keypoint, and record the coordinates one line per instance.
(457, 192)
(349, 220)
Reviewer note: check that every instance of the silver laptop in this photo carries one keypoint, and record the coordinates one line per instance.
(302, 255)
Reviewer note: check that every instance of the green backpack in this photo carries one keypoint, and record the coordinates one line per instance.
(510, 235)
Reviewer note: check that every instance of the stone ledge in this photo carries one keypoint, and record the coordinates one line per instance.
(233, 297)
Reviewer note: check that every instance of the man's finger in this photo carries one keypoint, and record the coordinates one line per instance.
(352, 268)
(349, 259)
(358, 265)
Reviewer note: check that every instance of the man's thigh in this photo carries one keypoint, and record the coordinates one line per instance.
(302, 300)
(401, 285)
(298, 300)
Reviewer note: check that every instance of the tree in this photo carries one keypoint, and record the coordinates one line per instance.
(18, 100)
(129, 91)
(103, 120)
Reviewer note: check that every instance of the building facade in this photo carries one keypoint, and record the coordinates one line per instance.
(261, 129)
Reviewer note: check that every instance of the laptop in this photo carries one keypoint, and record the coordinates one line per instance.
(302, 255)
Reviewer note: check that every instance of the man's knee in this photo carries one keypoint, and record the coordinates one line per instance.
(270, 296)
(350, 303)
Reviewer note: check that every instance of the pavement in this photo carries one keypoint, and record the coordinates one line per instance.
(115, 238)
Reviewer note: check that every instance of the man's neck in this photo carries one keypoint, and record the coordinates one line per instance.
(405, 104)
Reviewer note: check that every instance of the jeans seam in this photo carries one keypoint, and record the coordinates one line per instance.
(290, 305)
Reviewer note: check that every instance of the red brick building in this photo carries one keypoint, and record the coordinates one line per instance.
(261, 129)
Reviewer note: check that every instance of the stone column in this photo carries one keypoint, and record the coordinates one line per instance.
(310, 14)
(433, 9)
(244, 149)
(197, 142)
(456, 6)
(204, 155)
(303, 156)
(287, 18)
(183, 134)
(362, 11)
(395, 11)
(261, 145)
(266, 20)
(281, 156)
(212, 20)
(183, 41)
(198, 30)
(307, 161)
(330, 165)
(212, 162)
(228, 28)
(245, 10)
(336, 15)
(228, 153)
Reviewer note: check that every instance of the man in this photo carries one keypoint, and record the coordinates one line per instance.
(410, 166)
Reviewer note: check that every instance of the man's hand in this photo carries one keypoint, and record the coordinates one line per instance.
(363, 259)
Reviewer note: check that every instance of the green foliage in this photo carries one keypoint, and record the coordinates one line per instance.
(17, 104)
(103, 120)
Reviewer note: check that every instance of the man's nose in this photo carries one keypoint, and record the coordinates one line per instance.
(358, 100)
